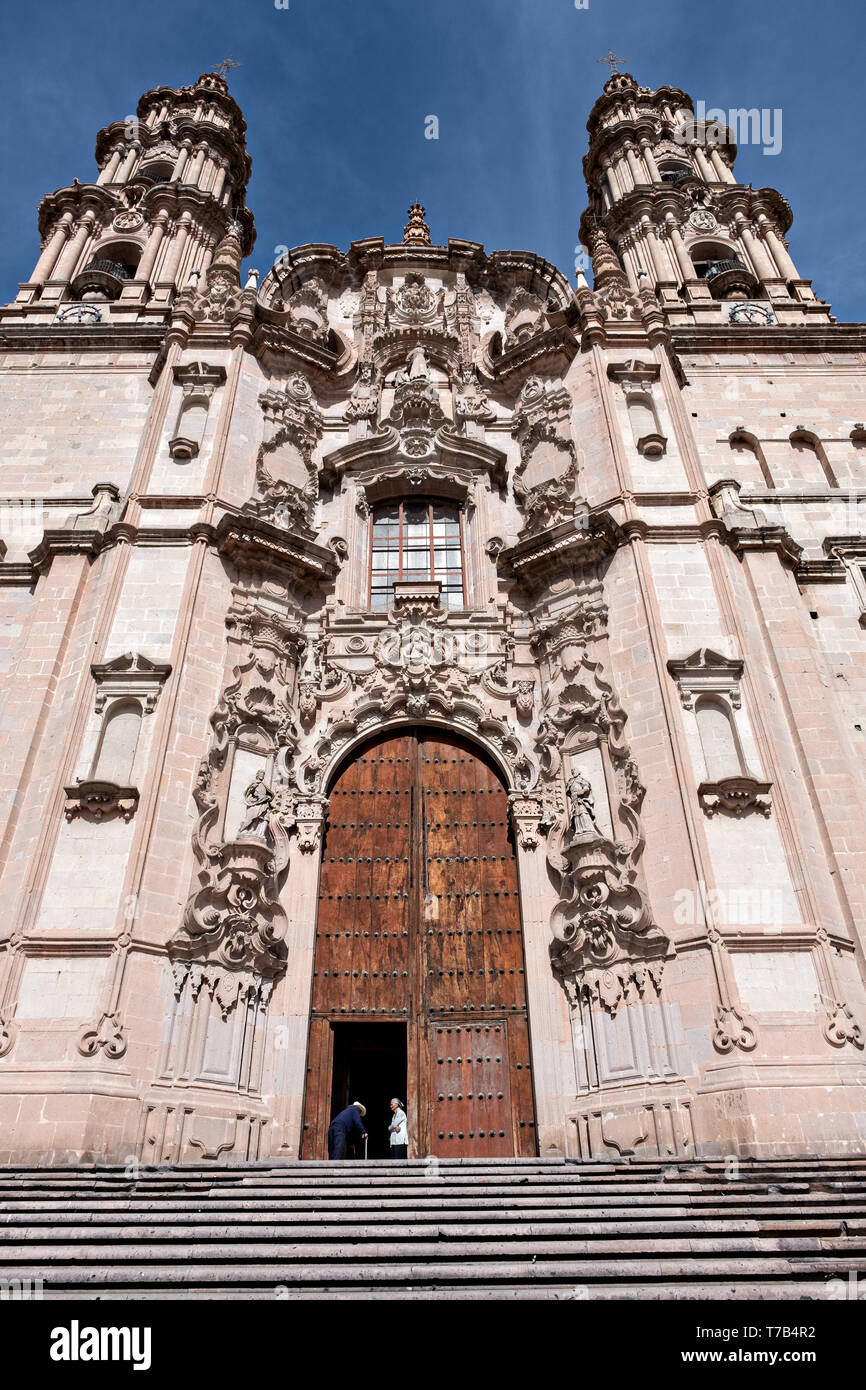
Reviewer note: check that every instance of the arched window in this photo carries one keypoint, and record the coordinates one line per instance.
(719, 742)
(418, 540)
(117, 742)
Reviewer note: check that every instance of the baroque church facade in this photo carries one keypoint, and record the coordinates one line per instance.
(423, 675)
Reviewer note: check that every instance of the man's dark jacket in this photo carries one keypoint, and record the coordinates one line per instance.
(350, 1121)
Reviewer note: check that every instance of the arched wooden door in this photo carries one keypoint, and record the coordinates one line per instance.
(419, 952)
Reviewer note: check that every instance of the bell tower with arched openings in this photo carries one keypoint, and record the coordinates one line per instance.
(171, 184)
(667, 213)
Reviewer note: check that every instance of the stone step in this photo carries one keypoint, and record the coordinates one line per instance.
(397, 1245)
(528, 1228)
(736, 1268)
(358, 1232)
(293, 1214)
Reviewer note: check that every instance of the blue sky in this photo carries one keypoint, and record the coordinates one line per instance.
(335, 94)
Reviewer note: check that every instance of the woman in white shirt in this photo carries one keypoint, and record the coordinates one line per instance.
(399, 1131)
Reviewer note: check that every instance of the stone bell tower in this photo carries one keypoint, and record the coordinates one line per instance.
(667, 213)
(172, 182)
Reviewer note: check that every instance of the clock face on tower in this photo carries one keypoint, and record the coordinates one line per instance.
(751, 313)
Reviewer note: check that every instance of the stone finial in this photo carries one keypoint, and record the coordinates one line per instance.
(416, 232)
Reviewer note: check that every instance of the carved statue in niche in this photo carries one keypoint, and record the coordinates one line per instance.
(581, 803)
(258, 800)
(417, 367)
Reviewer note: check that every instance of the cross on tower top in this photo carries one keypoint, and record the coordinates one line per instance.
(611, 58)
(223, 67)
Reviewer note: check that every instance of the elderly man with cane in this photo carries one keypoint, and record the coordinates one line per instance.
(347, 1123)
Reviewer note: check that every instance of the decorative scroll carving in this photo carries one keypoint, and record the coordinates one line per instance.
(606, 948)
(706, 672)
(307, 311)
(730, 1030)
(287, 482)
(544, 481)
(107, 1036)
(524, 316)
(235, 918)
(841, 1027)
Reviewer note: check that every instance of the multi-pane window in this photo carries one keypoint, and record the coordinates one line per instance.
(416, 540)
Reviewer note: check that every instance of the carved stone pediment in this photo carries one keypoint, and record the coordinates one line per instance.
(129, 675)
(707, 672)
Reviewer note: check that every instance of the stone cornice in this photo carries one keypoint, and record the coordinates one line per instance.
(143, 337)
(256, 544)
(817, 336)
(569, 544)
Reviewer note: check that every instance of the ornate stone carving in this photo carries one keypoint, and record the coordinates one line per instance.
(307, 311)
(706, 672)
(533, 815)
(415, 303)
(730, 1030)
(287, 482)
(471, 403)
(129, 675)
(221, 299)
(524, 316)
(735, 796)
(416, 414)
(318, 679)
(95, 800)
(606, 948)
(841, 1027)
(544, 481)
(107, 1036)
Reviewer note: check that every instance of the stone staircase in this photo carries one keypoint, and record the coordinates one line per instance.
(453, 1229)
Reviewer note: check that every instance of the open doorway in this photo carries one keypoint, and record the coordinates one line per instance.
(370, 1066)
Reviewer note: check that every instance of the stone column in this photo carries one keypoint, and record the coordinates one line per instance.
(111, 168)
(175, 251)
(611, 180)
(157, 232)
(68, 260)
(725, 174)
(48, 258)
(219, 181)
(195, 167)
(634, 164)
(649, 160)
(128, 165)
(291, 1015)
(704, 167)
(777, 249)
(763, 266)
(684, 260)
(649, 235)
(181, 162)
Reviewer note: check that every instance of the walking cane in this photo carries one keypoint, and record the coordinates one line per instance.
(365, 1148)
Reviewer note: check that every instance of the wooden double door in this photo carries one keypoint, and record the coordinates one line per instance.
(419, 954)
